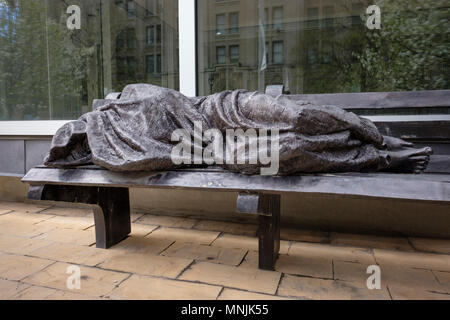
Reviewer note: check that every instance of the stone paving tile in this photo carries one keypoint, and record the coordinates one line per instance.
(184, 235)
(164, 221)
(21, 246)
(319, 289)
(407, 293)
(141, 230)
(24, 230)
(240, 278)
(227, 227)
(311, 267)
(71, 253)
(244, 242)
(304, 235)
(142, 245)
(150, 288)
(34, 293)
(69, 212)
(73, 236)
(431, 245)
(80, 223)
(10, 288)
(437, 262)
(239, 295)
(24, 218)
(370, 241)
(144, 264)
(250, 260)
(211, 254)
(22, 206)
(14, 267)
(135, 216)
(400, 276)
(352, 271)
(351, 254)
(42, 293)
(94, 281)
(444, 279)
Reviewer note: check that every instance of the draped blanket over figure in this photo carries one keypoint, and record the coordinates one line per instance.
(134, 133)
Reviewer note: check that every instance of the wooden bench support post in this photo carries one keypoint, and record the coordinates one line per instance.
(267, 207)
(111, 208)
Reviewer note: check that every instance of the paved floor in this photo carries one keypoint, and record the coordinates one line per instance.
(180, 258)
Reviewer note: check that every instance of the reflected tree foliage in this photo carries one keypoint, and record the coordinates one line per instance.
(41, 67)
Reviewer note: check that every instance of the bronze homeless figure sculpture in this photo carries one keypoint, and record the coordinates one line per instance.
(150, 128)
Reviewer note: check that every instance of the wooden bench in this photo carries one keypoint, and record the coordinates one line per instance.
(108, 192)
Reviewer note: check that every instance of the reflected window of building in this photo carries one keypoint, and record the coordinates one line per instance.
(158, 33)
(278, 52)
(150, 35)
(234, 22)
(328, 13)
(150, 7)
(357, 11)
(278, 18)
(221, 55)
(220, 24)
(158, 63)
(150, 64)
(313, 18)
(234, 53)
(131, 9)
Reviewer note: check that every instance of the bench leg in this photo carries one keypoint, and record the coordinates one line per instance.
(267, 207)
(111, 208)
(112, 217)
(269, 233)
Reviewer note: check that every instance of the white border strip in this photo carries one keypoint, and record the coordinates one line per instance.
(30, 128)
(187, 44)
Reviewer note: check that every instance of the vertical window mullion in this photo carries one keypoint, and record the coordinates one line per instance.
(187, 47)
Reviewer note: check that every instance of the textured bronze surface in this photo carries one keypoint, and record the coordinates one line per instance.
(134, 132)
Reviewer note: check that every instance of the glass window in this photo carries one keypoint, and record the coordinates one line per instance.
(51, 72)
(150, 7)
(278, 51)
(328, 13)
(278, 18)
(221, 55)
(234, 54)
(323, 46)
(234, 22)
(158, 33)
(313, 18)
(158, 63)
(220, 24)
(131, 8)
(150, 64)
(150, 35)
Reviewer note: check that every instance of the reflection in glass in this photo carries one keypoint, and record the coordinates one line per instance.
(324, 46)
(50, 72)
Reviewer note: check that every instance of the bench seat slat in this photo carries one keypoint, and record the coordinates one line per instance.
(426, 187)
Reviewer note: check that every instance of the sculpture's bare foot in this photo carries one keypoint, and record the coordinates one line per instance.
(394, 144)
(409, 160)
